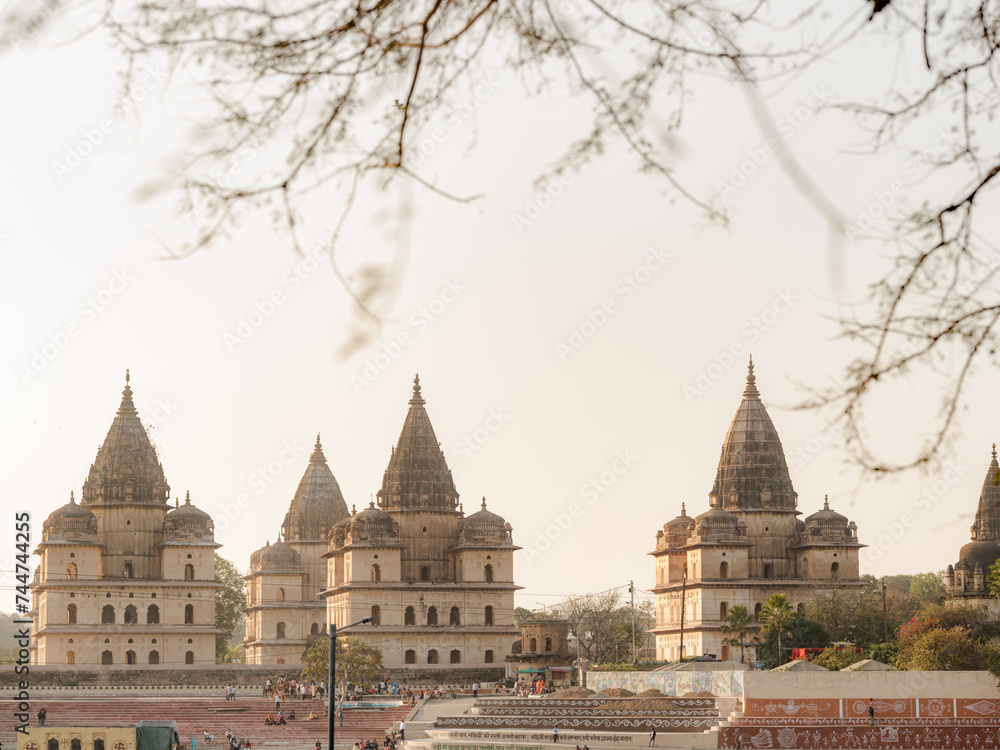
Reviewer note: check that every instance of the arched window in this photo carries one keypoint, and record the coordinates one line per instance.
(189, 614)
(723, 610)
(75, 744)
(53, 744)
(805, 567)
(425, 573)
(154, 657)
(189, 657)
(108, 615)
(152, 614)
(376, 573)
(548, 644)
(409, 617)
(489, 656)
(756, 611)
(127, 570)
(768, 571)
(377, 614)
(281, 595)
(834, 569)
(432, 616)
(314, 630)
(453, 617)
(131, 615)
(70, 657)
(432, 656)
(410, 657)
(189, 572)
(456, 656)
(724, 570)
(533, 646)
(130, 657)
(488, 618)
(107, 658)
(488, 573)
(98, 744)
(71, 614)
(71, 571)
(281, 630)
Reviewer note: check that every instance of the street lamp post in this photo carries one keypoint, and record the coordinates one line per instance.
(332, 676)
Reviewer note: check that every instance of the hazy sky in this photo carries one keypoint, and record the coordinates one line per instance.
(576, 359)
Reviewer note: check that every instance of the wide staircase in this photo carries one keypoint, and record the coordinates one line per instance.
(194, 716)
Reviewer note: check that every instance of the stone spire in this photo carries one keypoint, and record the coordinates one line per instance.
(987, 524)
(318, 503)
(126, 469)
(752, 473)
(417, 476)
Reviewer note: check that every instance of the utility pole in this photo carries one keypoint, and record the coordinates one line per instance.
(885, 620)
(684, 580)
(631, 590)
(332, 675)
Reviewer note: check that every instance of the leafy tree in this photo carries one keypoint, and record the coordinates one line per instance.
(797, 631)
(928, 587)
(949, 648)
(602, 626)
(522, 614)
(887, 653)
(8, 647)
(230, 606)
(836, 658)
(357, 662)
(738, 626)
(777, 611)
(855, 614)
(974, 619)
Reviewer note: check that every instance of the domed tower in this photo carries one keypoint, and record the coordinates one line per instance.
(318, 504)
(966, 580)
(485, 550)
(418, 490)
(828, 547)
(279, 620)
(188, 547)
(752, 481)
(127, 492)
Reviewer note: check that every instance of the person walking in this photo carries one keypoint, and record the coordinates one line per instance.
(41, 717)
(475, 689)
(555, 734)
(871, 711)
(652, 738)
(402, 730)
(277, 702)
(340, 716)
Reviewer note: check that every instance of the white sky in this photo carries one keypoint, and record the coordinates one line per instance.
(223, 414)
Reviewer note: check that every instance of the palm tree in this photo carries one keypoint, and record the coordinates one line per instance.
(738, 623)
(776, 612)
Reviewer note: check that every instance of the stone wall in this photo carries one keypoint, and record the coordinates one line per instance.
(722, 683)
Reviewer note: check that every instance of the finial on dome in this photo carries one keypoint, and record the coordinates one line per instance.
(187, 498)
(826, 502)
(683, 509)
(416, 398)
(751, 389)
(72, 500)
(461, 512)
(177, 503)
(484, 503)
(994, 450)
(267, 543)
(126, 376)
(354, 510)
(371, 505)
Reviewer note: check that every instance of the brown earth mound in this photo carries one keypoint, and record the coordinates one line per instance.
(699, 694)
(616, 693)
(651, 693)
(576, 692)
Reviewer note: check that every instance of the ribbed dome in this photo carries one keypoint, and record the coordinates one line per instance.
(318, 503)
(188, 522)
(417, 476)
(826, 516)
(484, 517)
(752, 471)
(484, 527)
(70, 522)
(126, 468)
(275, 557)
(987, 523)
(373, 526)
